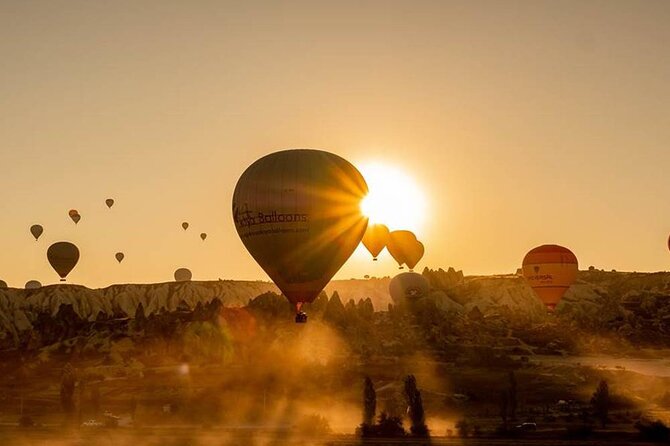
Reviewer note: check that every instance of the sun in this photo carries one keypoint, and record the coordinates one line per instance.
(394, 198)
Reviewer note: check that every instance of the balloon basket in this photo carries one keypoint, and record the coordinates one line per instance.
(301, 318)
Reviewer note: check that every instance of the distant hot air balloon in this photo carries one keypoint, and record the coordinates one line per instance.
(203, 236)
(400, 244)
(184, 225)
(109, 202)
(298, 214)
(3, 284)
(36, 231)
(74, 215)
(550, 270)
(414, 255)
(63, 257)
(375, 239)
(33, 285)
(119, 256)
(182, 275)
(408, 287)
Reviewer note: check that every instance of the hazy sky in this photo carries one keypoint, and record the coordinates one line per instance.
(524, 123)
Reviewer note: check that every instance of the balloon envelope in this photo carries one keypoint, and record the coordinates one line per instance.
(414, 254)
(298, 214)
(375, 239)
(203, 236)
(74, 215)
(550, 270)
(36, 231)
(119, 256)
(63, 257)
(33, 285)
(407, 287)
(109, 202)
(185, 225)
(400, 244)
(182, 275)
(3, 284)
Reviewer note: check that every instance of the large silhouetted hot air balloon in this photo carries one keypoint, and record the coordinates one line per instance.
(408, 287)
(182, 275)
(550, 270)
(33, 285)
(298, 214)
(203, 236)
(109, 202)
(3, 284)
(375, 239)
(74, 215)
(414, 255)
(63, 257)
(36, 231)
(184, 225)
(119, 256)
(400, 244)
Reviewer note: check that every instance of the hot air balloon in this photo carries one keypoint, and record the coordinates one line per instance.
(375, 239)
(109, 202)
(36, 231)
(33, 285)
(298, 214)
(74, 215)
(184, 225)
(182, 275)
(119, 256)
(203, 236)
(63, 257)
(400, 244)
(3, 284)
(550, 270)
(408, 287)
(414, 255)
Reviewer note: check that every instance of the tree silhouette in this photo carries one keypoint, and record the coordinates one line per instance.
(415, 407)
(601, 402)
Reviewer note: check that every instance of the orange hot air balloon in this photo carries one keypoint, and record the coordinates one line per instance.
(109, 202)
(32, 285)
(550, 270)
(3, 284)
(63, 257)
(119, 256)
(414, 255)
(74, 215)
(182, 275)
(400, 244)
(375, 239)
(203, 236)
(185, 225)
(408, 287)
(298, 214)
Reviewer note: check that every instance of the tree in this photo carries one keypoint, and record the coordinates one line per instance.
(504, 405)
(601, 402)
(67, 385)
(369, 403)
(415, 407)
(512, 395)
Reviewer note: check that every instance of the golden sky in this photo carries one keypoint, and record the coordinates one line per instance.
(524, 122)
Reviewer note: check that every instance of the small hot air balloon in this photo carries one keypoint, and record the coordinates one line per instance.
(109, 202)
(400, 244)
(414, 255)
(33, 285)
(550, 270)
(182, 275)
(184, 225)
(119, 256)
(298, 214)
(36, 231)
(3, 284)
(375, 239)
(74, 215)
(407, 287)
(203, 236)
(63, 257)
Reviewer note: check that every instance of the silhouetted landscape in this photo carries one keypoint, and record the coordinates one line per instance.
(226, 357)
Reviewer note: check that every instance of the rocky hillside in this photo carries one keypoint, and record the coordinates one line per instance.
(634, 304)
